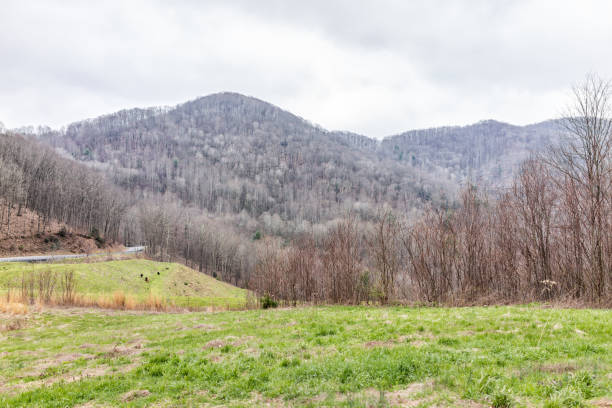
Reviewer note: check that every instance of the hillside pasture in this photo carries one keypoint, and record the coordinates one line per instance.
(134, 280)
(507, 356)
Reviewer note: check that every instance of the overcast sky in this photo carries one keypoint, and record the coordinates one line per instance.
(373, 67)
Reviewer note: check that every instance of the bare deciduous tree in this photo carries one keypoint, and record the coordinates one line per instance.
(584, 162)
(386, 252)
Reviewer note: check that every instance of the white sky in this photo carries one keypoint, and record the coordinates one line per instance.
(372, 67)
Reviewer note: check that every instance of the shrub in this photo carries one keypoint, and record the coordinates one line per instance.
(501, 400)
(95, 234)
(46, 285)
(100, 242)
(62, 232)
(267, 302)
(68, 287)
(28, 286)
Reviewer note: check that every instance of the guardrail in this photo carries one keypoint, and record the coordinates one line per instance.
(46, 258)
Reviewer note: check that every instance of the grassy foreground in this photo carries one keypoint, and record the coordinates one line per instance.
(328, 356)
(174, 283)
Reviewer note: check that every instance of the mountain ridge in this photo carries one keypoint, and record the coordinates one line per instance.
(159, 109)
(229, 153)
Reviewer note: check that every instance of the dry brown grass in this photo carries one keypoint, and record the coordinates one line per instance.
(13, 324)
(121, 301)
(12, 303)
(13, 308)
(154, 302)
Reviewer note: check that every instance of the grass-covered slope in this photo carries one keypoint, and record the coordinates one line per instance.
(173, 282)
(330, 356)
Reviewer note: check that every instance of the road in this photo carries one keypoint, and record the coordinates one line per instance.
(45, 258)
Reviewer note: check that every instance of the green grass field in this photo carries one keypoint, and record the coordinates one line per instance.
(175, 283)
(519, 356)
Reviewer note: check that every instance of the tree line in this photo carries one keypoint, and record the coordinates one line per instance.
(547, 237)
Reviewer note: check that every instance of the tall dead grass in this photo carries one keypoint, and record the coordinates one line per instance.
(48, 288)
(119, 300)
(11, 303)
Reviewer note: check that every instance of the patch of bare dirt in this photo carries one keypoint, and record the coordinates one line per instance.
(88, 346)
(602, 402)
(214, 344)
(65, 358)
(206, 327)
(215, 358)
(558, 368)
(467, 404)
(43, 364)
(89, 372)
(13, 324)
(125, 350)
(132, 395)
(229, 340)
(252, 352)
(25, 236)
(511, 331)
(406, 397)
(259, 400)
(377, 343)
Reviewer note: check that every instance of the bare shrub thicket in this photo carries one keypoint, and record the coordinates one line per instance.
(47, 280)
(68, 287)
(36, 286)
(36, 177)
(328, 270)
(342, 262)
(384, 247)
(548, 237)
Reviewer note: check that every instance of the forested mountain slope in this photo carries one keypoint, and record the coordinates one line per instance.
(263, 167)
(487, 152)
(228, 153)
(42, 193)
(231, 154)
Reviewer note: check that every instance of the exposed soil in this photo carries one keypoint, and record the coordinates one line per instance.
(229, 340)
(603, 403)
(26, 236)
(132, 395)
(88, 372)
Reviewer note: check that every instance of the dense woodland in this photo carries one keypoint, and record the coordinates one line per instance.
(234, 155)
(548, 236)
(488, 153)
(35, 177)
(256, 196)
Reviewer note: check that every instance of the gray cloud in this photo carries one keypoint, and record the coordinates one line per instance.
(375, 67)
